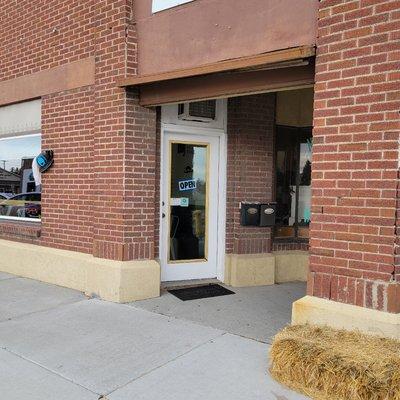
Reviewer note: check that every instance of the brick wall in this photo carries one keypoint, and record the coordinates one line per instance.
(141, 180)
(290, 245)
(124, 152)
(37, 36)
(42, 34)
(67, 191)
(251, 121)
(24, 232)
(99, 196)
(109, 131)
(355, 154)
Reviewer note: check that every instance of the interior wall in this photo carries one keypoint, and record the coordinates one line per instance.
(295, 107)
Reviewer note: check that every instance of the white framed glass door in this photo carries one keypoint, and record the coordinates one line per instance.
(189, 206)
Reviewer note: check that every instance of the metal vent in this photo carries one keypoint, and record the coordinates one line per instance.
(200, 111)
(203, 109)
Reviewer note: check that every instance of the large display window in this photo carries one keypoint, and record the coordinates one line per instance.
(20, 196)
(293, 182)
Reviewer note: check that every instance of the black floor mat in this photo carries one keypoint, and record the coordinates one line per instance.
(200, 292)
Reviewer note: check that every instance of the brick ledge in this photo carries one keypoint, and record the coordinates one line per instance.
(20, 230)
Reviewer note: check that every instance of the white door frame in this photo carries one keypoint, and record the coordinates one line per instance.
(221, 208)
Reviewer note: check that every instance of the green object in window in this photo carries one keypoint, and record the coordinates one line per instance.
(307, 214)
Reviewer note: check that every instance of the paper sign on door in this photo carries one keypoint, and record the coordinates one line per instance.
(180, 201)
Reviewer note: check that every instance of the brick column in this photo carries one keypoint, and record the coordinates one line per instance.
(124, 144)
(251, 122)
(356, 155)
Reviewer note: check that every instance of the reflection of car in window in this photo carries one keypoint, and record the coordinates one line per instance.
(25, 205)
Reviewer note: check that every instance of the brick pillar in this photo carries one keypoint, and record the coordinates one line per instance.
(251, 122)
(124, 144)
(356, 155)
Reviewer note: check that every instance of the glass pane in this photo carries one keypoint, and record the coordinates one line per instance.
(188, 201)
(19, 196)
(293, 168)
(286, 182)
(304, 203)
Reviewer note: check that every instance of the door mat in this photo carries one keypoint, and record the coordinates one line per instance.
(200, 292)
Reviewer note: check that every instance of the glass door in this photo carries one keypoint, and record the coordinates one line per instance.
(189, 207)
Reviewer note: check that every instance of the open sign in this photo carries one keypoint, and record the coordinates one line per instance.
(187, 185)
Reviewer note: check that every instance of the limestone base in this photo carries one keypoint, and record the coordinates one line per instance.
(265, 269)
(249, 270)
(291, 265)
(316, 311)
(117, 281)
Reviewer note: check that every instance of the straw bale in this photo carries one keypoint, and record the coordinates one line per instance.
(329, 364)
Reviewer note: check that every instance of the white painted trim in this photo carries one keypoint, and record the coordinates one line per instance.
(222, 182)
(223, 155)
(21, 135)
(20, 219)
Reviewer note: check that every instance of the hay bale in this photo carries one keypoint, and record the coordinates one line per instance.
(329, 364)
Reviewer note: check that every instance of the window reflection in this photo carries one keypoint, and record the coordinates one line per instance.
(188, 202)
(293, 182)
(19, 195)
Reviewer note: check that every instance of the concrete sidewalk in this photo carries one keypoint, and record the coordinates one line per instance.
(57, 344)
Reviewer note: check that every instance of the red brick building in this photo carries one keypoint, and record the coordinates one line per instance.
(253, 143)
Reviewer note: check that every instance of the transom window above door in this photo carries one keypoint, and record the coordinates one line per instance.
(159, 5)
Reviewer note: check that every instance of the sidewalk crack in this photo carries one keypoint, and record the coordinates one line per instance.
(48, 370)
(167, 362)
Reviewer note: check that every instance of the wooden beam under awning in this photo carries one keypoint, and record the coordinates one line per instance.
(272, 57)
(264, 72)
(226, 85)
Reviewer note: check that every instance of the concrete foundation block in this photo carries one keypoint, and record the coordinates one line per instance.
(316, 311)
(250, 270)
(117, 281)
(291, 266)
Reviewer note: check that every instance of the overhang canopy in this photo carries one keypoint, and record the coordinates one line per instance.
(276, 70)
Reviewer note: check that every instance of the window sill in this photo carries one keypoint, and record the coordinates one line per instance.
(21, 230)
(290, 240)
(280, 244)
(20, 219)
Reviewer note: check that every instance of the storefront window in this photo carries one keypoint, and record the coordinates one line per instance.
(20, 197)
(293, 182)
